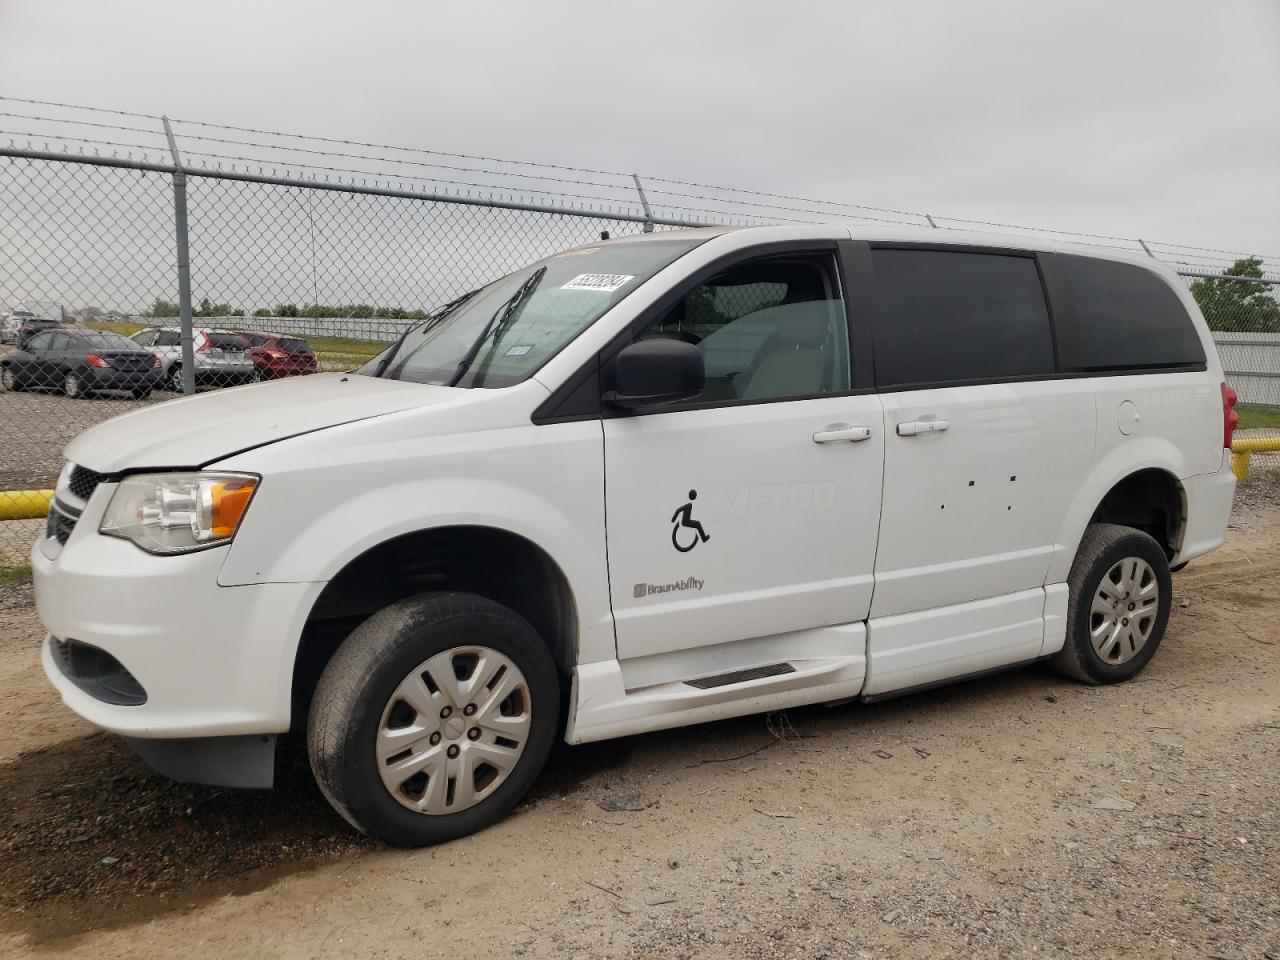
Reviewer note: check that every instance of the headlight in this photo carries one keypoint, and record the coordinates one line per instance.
(178, 512)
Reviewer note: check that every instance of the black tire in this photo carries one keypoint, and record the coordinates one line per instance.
(1102, 547)
(9, 380)
(175, 378)
(140, 393)
(359, 682)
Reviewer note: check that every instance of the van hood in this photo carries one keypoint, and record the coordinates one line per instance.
(194, 431)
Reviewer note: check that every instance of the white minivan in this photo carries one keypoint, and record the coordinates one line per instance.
(647, 482)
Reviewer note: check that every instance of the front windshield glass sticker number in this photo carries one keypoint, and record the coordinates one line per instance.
(599, 282)
(519, 350)
(683, 520)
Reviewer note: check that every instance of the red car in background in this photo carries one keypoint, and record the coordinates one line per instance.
(278, 356)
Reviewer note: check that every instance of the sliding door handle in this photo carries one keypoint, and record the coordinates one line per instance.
(837, 432)
(911, 428)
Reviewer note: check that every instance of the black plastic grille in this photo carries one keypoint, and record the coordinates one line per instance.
(59, 525)
(97, 673)
(84, 481)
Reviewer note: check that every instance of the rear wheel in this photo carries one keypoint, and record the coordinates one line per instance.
(433, 718)
(175, 378)
(1120, 595)
(140, 393)
(73, 386)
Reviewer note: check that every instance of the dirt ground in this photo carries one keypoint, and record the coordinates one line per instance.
(1007, 817)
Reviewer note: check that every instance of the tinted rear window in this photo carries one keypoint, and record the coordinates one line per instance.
(1126, 317)
(947, 317)
(290, 345)
(227, 341)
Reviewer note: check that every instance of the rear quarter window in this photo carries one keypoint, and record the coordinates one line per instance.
(1127, 317)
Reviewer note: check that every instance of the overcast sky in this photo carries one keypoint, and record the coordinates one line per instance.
(1153, 119)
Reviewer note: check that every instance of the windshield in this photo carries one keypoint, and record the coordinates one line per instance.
(575, 290)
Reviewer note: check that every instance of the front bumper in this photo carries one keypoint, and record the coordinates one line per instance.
(214, 661)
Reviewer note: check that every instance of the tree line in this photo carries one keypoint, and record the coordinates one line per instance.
(1233, 305)
(361, 311)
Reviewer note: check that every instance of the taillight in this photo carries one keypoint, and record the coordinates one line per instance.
(1229, 416)
(201, 343)
(95, 360)
(155, 361)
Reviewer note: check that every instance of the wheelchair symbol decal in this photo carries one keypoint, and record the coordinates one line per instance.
(682, 519)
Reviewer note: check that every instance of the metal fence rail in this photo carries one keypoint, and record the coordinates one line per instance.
(99, 241)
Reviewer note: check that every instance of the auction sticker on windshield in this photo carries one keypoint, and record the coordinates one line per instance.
(600, 282)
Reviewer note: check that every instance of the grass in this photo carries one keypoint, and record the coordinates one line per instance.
(122, 327)
(346, 347)
(1253, 416)
(11, 576)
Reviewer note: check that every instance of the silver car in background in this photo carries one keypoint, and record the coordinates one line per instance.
(222, 358)
(12, 324)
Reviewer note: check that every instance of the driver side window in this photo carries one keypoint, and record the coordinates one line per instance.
(768, 329)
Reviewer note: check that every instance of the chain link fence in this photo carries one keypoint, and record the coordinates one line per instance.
(289, 276)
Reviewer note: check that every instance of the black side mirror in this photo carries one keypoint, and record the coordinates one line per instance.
(651, 372)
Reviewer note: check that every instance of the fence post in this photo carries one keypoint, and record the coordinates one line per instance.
(184, 264)
(644, 202)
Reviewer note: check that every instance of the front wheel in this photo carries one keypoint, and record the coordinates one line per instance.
(9, 380)
(1120, 594)
(433, 718)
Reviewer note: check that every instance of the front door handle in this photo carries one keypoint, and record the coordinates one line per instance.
(911, 428)
(837, 432)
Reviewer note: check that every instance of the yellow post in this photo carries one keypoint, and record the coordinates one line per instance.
(1240, 465)
(24, 504)
(1243, 447)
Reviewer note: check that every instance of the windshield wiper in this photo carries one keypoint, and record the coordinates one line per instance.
(424, 325)
(498, 320)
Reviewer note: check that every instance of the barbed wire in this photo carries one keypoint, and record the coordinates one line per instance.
(768, 201)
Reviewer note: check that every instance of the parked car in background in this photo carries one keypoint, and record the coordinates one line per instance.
(33, 325)
(13, 323)
(276, 355)
(79, 363)
(222, 358)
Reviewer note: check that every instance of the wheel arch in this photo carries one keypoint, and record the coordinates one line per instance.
(1151, 499)
(490, 561)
